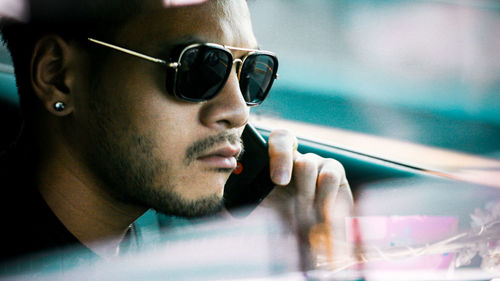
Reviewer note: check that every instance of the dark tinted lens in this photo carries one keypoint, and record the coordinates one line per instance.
(256, 77)
(202, 72)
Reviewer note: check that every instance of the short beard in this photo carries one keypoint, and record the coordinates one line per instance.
(124, 160)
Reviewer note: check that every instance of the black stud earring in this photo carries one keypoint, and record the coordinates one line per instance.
(59, 106)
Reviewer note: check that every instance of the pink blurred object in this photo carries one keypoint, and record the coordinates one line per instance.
(396, 242)
(15, 9)
(176, 3)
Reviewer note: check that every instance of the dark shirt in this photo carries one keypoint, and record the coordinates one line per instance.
(31, 237)
(33, 240)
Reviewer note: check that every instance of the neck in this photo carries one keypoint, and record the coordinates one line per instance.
(78, 199)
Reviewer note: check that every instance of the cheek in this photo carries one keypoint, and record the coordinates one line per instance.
(173, 126)
(142, 107)
(147, 107)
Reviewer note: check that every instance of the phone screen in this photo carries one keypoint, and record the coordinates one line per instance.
(251, 182)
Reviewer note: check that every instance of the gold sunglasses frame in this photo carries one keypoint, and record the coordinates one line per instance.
(176, 65)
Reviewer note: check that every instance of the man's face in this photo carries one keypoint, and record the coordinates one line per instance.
(147, 147)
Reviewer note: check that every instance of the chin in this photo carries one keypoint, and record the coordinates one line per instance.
(199, 195)
(209, 189)
(199, 207)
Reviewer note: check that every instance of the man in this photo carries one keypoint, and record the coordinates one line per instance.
(110, 133)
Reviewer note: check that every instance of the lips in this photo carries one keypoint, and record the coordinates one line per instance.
(223, 158)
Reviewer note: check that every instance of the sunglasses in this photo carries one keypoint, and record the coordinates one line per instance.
(200, 71)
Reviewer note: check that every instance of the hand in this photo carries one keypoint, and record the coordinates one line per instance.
(312, 193)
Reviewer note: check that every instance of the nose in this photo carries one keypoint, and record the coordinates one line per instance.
(228, 109)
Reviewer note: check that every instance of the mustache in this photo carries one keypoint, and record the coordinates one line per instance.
(200, 147)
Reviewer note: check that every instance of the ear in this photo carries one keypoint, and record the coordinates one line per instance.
(49, 74)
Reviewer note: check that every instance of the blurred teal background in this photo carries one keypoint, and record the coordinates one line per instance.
(420, 71)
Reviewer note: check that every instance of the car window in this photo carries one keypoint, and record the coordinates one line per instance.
(414, 72)
(413, 82)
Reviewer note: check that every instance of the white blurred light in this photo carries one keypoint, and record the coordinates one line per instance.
(176, 3)
(15, 9)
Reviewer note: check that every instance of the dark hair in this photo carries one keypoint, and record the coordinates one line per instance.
(72, 20)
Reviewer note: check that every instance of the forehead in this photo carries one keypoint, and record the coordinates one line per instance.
(224, 22)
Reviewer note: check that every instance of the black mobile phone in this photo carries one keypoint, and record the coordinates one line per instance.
(250, 182)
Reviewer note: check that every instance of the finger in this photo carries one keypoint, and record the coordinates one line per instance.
(334, 198)
(331, 179)
(305, 179)
(281, 154)
(330, 203)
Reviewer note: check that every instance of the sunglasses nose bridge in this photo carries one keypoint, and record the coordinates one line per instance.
(237, 64)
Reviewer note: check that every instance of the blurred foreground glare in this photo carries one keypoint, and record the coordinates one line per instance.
(13, 9)
(454, 237)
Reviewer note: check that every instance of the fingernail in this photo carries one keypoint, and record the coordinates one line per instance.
(280, 177)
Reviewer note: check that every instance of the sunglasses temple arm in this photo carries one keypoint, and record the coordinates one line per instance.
(133, 53)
